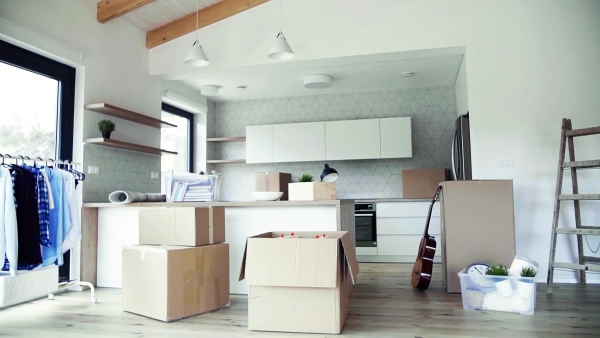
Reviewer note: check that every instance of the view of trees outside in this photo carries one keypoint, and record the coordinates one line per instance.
(174, 139)
(28, 111)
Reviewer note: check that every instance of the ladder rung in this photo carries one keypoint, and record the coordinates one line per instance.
(579, 231)
(582, 164)
(583, 132)
(590, 259)
(585, 267)
(579, 197)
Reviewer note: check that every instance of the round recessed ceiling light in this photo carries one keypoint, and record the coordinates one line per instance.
(407, 74)
(318, 81)
(209, 90)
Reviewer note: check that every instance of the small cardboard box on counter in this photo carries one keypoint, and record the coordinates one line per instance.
(299, 283)
(273, 181)
(173, 282)
(312, 191)
(187, 226)
(422, 183)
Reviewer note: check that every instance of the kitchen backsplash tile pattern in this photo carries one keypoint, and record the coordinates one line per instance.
(433, 110)
(119, 170)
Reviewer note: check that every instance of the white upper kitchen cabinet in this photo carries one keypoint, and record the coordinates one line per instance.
(259, 144)
(298, 142)
(396, 137)
(352, 139)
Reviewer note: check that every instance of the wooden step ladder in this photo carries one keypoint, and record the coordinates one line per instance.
(586, 263)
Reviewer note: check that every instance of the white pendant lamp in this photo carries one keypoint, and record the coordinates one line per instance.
(196, 56)
(281, 49)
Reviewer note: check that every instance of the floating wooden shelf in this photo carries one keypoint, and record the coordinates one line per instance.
(125, 114)
(227, 139)
(129, 146)
(225, 161)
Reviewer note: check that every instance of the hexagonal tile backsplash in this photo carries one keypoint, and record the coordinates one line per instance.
(119, 170)
(433, 110)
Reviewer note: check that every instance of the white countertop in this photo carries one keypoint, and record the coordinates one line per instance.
(220, 204)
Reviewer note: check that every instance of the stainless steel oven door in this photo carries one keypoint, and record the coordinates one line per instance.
(365, 228)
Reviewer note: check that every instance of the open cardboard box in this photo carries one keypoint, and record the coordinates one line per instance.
(299, 283)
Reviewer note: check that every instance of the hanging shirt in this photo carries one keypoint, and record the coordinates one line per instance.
(60, 218)
(50, 199)
(28, 225)
(43, 207)
(72, 233)
(9, 244)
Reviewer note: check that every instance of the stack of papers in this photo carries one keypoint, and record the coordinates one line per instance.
(186, 187)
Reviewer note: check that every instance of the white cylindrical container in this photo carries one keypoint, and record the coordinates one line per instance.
(519, 263)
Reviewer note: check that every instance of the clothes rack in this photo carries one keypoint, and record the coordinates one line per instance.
(69, 165)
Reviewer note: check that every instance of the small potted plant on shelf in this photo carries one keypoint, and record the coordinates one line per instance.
(526, 285)
(106, 127)
(305, 178)
(503, 285)
(307, 190)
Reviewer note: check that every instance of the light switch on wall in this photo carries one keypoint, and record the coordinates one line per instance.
(154, 175)
(93, 170)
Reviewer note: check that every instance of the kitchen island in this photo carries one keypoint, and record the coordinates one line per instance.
(106, 227)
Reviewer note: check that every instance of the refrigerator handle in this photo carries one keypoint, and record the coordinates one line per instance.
(453, 155)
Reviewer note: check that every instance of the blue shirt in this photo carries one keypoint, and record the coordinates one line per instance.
(60, 220)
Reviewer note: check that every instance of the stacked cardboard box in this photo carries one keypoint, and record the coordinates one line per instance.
(299, 282)
(181, 267)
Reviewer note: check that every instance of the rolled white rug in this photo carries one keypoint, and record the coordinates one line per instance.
(123, 197)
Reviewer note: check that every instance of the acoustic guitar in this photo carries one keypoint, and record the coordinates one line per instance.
(421, 273)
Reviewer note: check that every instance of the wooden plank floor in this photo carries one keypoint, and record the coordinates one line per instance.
(383, 304)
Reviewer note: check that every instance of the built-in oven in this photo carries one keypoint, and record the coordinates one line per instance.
(365, 225)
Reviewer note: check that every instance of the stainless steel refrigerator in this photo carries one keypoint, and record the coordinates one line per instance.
(478, 225)
(461, 149)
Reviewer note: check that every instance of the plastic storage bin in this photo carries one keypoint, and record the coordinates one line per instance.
(498, 293)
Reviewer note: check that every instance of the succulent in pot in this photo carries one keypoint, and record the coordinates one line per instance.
(106, 127)
(526, 285)
(503, 284)
(305, 178)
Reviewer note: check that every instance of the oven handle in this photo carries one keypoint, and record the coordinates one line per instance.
(364, 215)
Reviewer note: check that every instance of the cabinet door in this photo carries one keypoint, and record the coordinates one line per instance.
(259, 144)
(396, 137)
(296, 142)
(352, 139)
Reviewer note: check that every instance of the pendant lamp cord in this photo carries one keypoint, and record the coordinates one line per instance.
(280, 15)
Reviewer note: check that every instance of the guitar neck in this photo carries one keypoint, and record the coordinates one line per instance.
(435, 197)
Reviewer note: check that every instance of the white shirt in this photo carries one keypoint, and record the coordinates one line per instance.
(74, 234)
(9, 240)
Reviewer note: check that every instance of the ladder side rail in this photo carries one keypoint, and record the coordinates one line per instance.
(559, 179)
(582, 278)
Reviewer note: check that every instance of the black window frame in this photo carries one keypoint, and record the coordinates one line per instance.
(65, 75)
(190, 117)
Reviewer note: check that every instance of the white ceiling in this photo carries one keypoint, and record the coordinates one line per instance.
(282, 79)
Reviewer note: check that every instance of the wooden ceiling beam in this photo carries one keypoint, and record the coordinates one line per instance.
(206, 16)
(112, 9)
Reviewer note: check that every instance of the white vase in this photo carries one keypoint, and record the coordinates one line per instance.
(525, 289)
(504, 288)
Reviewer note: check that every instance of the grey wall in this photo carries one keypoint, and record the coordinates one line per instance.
(119, 170)
(433, 110)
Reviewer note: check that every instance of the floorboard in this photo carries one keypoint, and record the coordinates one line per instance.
(383, 304)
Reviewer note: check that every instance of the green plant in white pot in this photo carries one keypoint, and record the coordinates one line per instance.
(305, 178)
(106, 127)
(526, 284)
(502, 283)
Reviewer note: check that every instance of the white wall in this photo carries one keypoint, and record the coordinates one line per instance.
(111, 61)
(529, 64)
(460, 86)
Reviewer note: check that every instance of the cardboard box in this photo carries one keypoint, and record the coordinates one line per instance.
(299, 283)
(498, 293)
(185, 226)
(312, 191)
(274, 181)
(422, 183)
(478, 225)
(27, 285)
(173, 282)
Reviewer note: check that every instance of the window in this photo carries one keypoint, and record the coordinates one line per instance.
(37, 98)
(178, 139)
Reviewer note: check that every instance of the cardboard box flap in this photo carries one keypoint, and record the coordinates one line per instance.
(301, 260)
